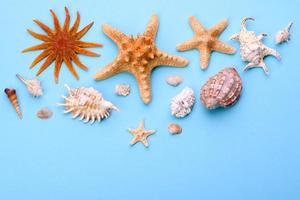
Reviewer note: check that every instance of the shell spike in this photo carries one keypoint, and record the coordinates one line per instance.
(21, 78)
(289, 26)
(244, 20)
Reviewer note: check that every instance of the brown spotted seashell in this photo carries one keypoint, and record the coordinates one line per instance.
(222, 89)
(12, 96)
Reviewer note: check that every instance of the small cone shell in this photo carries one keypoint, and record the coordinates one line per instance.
(12, 96)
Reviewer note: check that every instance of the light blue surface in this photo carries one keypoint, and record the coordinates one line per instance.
(248, 152)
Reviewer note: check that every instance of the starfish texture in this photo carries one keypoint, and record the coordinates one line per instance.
(138, 56)
(61, 44)
(206, 40)
(140, 134)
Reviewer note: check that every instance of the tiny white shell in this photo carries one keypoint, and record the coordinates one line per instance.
(122, 89)
(284, 34)
(44, 113)
(174, 80)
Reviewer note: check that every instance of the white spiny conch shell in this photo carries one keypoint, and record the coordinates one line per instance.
(252, 48)
(222, 89)
(182, 104)
(87, 104)
(283, 35)
(33, 86)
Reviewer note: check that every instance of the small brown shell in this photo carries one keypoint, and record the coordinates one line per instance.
(174, 129)
(222, 89)
(12, 96)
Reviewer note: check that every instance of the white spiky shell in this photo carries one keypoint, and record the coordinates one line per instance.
(87, 103)
(253, 50)
(33, 86)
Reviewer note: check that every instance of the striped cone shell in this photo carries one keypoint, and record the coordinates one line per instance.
(12, 96)
(222, 89)
(87, 104)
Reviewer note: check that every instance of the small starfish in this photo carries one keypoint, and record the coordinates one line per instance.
(61, 44)
(206, 40)
(138, 56)
(140, 134)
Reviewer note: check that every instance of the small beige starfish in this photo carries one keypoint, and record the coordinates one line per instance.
(138, 56)
(140, 134)
(206, 40)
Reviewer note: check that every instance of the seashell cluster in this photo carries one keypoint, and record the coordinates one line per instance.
(283, 35)
(87, 103)
(33, 86)
(12, 96)
(222, 89)
(174, 80)
(174, 129)
(122, 89)
(44, 113)
(252, 48)
(182, 104)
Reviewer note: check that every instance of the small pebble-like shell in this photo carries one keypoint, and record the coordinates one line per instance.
(182, 104)
(33, 86)
(174, 80)
(222, 90)
(174, 129)
(122, 89)
(87, 104)
(44, 113)
(12, 96)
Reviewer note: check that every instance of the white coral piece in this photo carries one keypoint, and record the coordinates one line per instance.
(33, 86)
(252, 48)
(283, 35)
(182, 104)
(87, 103)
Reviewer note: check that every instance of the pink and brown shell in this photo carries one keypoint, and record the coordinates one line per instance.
(222, 89)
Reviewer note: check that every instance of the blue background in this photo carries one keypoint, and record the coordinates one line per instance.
(247, 152)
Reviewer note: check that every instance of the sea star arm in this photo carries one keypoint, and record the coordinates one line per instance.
(114, 34)
(109, 70)
(48, 61)
(169, 60)
(75, 26)
(190, 44)
(70, 67)
(144, 83)
(87, 44)
(40, 57)
(55, 20)
(152, 27)
(76, 60)
(204, 56)
(223, 47)
(219, 28)
(85, 51)
(196, 25)
(36, 47)
(57, 67)
(84, 30)
(67, 20)
(43, 26)
(38, 36)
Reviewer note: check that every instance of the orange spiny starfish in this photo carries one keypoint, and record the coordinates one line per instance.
(61, 44)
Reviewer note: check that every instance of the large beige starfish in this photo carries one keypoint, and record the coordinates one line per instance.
(206, 40)
(138, 56)
(140, 134)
